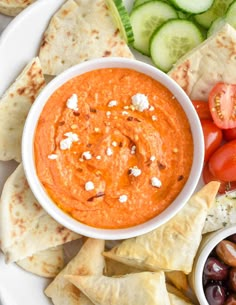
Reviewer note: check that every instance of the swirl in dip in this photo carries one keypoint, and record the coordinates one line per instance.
(113, 148)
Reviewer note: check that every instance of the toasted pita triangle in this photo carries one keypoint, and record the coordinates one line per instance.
(176, 300)
(182, 234)
(47, 263)
(173, 290)
(14, 107)
(132, 289)
(13, 7)
(25, 228)
(178, 279)
(114, 268)
(88, 261)
(211, 62)
(80, 30)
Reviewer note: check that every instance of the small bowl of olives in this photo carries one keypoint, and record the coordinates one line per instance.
(213, 277)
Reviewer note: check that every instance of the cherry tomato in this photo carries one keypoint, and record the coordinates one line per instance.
(224, 186)
(202, 109)
(222, 163)
(212, 137)
(222, 105)
(229, 134)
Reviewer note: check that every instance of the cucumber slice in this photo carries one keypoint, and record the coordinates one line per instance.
(139, 2)
(216, 25)
(218, 9)
(121, 19)
(183, 15)
(145, 18)
(192, 6)
(172, 40)
(231, 14)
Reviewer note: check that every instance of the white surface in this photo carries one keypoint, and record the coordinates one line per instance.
(18, 44)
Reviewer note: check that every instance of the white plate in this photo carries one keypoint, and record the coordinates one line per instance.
(18, 44)
(4, 21)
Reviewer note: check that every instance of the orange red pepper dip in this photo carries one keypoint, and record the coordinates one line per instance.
(113, 148)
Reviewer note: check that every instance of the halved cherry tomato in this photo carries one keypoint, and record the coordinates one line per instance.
(222, 164)
(212, 137)
(222, 103)
(229, 134)
(202, 109)
(224, 186)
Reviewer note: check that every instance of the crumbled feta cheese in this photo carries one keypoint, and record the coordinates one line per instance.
(126, 107)
(98, 157)
(123, 198)
(96, 129)
(140, 102)
(112, 103)
(152, 158)
(154, 117)
(109, 151)
(114, 143)
(108, 113)
(72, 102)
(135, 171)
(156, 182)
(89, 186)
(52, 157)
(87, 155)
(72, 136)
(133, 150)
(65, 144)
(125, 113)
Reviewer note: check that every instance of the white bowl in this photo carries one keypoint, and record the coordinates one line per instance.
(208, 243)
(28, 152)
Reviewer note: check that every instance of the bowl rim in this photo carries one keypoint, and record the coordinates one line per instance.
(28, 154)
(212, 240)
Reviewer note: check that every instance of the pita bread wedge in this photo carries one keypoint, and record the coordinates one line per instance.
(173, 290)
(178, 279)
(131, 289)
(77, 34)
(222, 213)
(157, 249)
(47, 263)
(14, 107)
(211, 62)
(25, 228)
(176, 300)
(13, 7)
(114, 268)
(88, 261)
